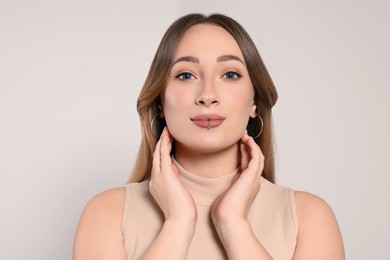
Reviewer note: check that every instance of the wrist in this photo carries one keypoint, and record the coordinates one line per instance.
(181, 225)
(231, 226)
(185, 217)
(173, 241)
(239, 241)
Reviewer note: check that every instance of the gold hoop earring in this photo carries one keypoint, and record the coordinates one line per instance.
(156, 131)
(253, 125)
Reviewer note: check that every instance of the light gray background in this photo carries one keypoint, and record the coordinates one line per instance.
(70, 73)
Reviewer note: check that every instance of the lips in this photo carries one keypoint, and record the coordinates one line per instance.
(208, 120)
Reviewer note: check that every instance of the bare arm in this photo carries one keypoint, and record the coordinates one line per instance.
(99, 234)
(240, 242)
(173, 241)
(319, 236)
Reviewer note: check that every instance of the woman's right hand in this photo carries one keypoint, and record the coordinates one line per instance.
(165, 186)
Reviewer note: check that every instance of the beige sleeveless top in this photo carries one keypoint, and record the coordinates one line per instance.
(272, 217)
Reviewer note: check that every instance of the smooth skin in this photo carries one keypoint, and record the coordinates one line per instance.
(210, 81)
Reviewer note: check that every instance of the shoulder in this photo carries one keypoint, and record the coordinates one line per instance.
(312, 209)
(307, 202)
(319, 235)
(107, 205)
(100, 227)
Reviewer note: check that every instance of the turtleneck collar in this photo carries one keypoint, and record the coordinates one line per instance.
(203, 190)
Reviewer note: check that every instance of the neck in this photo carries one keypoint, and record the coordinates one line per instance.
(199, 163)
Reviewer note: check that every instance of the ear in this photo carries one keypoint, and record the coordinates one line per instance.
(253, 111)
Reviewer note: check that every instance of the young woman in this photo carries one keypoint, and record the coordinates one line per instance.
(203, 185)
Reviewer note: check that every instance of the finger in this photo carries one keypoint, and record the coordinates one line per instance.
(255, 154)
(245, 151)
(170, 140)
(156, 158)
(162, 139)
(244, 156)
(245, 137)
(169, 134)
(166, 145)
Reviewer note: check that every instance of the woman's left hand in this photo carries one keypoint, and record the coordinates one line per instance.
(236, 202)
(230, 211)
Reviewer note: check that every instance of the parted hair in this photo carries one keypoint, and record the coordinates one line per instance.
(149, 100)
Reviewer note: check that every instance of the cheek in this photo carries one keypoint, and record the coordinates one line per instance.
(174, 100)
(176, 106)
(241, 100)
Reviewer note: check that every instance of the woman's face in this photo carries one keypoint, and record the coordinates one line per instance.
(209, 96)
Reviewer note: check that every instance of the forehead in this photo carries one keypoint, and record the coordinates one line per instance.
(207, 39)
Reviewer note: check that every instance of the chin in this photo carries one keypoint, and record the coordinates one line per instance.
(209, 145)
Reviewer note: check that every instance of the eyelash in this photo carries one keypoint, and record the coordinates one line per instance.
(235, 75)
(184, 74)
(188, 76)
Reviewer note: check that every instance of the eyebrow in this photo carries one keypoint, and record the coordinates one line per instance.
(193, 59)
(229, 57)
(187, 59)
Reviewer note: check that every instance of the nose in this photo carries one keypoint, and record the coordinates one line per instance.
(207, 95)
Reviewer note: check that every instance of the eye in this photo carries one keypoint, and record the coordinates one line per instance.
(185, 76)
(231, 75)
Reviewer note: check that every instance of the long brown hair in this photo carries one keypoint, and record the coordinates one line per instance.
(149, 99)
